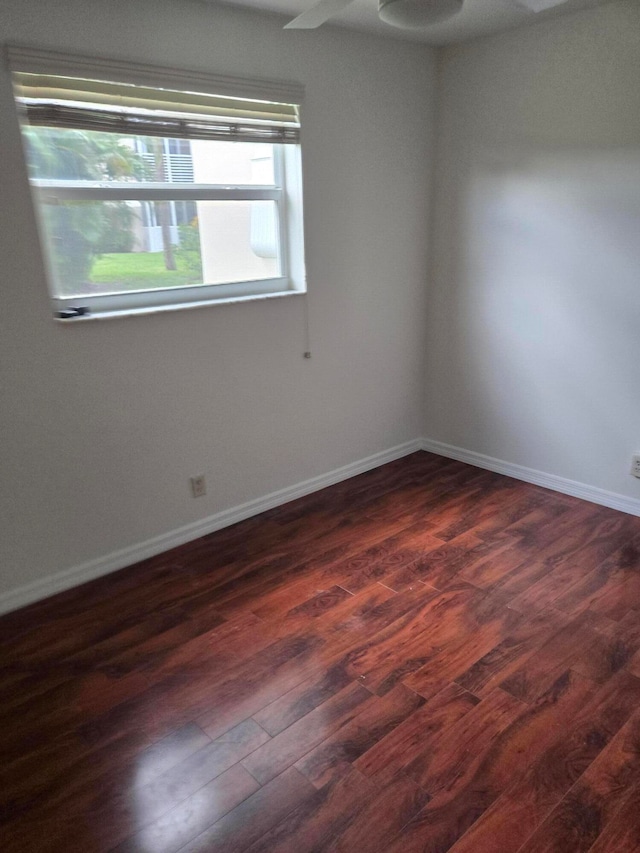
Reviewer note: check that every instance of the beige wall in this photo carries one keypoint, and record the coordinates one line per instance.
(533, 352)
(528, 325)
(103, 422)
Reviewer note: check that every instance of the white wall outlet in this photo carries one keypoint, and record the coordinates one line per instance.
(199, 486)
(635, 465)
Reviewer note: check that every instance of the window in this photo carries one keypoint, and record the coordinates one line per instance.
(159, 196)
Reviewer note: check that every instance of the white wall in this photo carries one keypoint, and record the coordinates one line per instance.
(103, 422)
(533, 350)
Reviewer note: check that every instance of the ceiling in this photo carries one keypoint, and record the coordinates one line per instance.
(478, 17)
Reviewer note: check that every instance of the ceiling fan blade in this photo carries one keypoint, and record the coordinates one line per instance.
(318, 14)
(539, 5)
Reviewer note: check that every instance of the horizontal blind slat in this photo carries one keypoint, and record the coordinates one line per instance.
(80, 118)
(39, 87)
(27, 59)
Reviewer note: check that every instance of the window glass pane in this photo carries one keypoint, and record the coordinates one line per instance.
(77, 155)
(105, 247)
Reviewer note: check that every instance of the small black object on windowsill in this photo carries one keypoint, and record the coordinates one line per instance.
(71, 312)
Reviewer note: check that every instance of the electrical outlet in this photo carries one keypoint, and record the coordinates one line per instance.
(198, 486)
(635, 465)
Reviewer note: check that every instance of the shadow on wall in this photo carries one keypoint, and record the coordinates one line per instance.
(543, 323)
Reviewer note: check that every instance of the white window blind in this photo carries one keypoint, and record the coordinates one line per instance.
(116, 97)
(99, 105)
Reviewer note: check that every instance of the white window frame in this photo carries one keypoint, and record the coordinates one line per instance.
(286, 192)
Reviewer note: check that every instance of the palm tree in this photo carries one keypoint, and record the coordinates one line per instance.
(162, 207)
(79, 231)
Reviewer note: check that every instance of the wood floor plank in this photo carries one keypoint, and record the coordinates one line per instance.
(611, 651)
(253, 818)
(401, 579)
(290, 745)
(197, 770)
(191, 817)
(298, 702)
(462, 501)
(538, 542)
(574, 554)
(441, 567)
(251, 686)
(485, 753)
(525, 638)
(335, 755)
(406, 644)
(612, 588)
(508, 823)
(393, 554)
(378, 821)
(441, 766)
(559, 652)
(487, 621)
(255, 684)
(307, 599)
(170, 651)
(373, 611)
(500, 567)
(592, 804)
(549, 507)
(398, 748)
(321, 555)
(622, 834)
(320, 820)
(426, 657)
(165, 754)
(505, 502)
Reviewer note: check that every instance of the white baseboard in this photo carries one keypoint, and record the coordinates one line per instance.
(613, 500)
(100, 566)
(92, 569)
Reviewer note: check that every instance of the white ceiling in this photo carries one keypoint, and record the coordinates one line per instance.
(478, 17)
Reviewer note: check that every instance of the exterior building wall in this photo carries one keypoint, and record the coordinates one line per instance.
(227, 227)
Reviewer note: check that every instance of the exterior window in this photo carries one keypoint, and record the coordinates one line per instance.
(156, 197)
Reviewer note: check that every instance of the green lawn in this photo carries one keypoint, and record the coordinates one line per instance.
(139, 270)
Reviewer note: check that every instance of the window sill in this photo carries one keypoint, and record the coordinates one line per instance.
(178, 306)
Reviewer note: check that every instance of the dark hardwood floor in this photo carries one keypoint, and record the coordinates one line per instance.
(427, 657)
